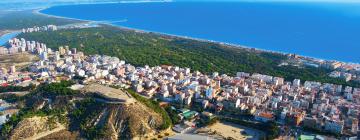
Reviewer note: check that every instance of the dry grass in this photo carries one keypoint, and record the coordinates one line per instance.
(20, 60)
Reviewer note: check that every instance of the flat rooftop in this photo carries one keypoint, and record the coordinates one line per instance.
(189, 137)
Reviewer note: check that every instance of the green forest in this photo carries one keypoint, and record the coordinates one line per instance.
(139, 48)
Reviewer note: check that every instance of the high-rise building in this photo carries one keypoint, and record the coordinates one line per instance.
(67, 49)
(57, 56)
(61, 50)
(3, 70)
(296, 82)
(3, 50)
(73, 51)
(44, 56)
(12, 69)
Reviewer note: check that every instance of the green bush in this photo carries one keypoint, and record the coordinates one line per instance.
(167, 122)
(175, 119)
(28, 113)
(57, 89)
(17, 88)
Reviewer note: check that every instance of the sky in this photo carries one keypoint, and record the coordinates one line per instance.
(36, 4)
(52, 1)
(338, 1)
(341, 1)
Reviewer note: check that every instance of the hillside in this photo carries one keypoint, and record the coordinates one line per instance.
(57, 112)
(139, 48)
(35, 127)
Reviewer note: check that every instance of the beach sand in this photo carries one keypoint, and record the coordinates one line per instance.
(226, 129)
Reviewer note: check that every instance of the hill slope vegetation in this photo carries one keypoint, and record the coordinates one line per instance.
(55, 108)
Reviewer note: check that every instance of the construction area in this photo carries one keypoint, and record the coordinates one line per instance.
(110, 94)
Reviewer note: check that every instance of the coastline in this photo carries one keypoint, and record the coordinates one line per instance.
(6, 35)
(222, 43)
(37, 11)
(4, 32)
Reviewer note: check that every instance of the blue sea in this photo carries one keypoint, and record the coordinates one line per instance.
(321, 30)
(6, 37)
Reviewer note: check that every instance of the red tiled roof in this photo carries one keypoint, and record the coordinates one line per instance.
(266, 115)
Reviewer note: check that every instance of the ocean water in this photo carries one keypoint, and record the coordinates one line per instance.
(322, 30)
(6, 37)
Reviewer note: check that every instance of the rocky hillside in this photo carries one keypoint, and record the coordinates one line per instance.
(126, 121)
(34, 128)
(56, 112)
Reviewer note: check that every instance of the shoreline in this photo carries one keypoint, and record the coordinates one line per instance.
(5, 33)
(225, 44)
(37, 11)
(2, 33)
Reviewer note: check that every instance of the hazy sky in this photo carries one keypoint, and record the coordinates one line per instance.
(340, 1)
(31, 4)
(49, 1)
